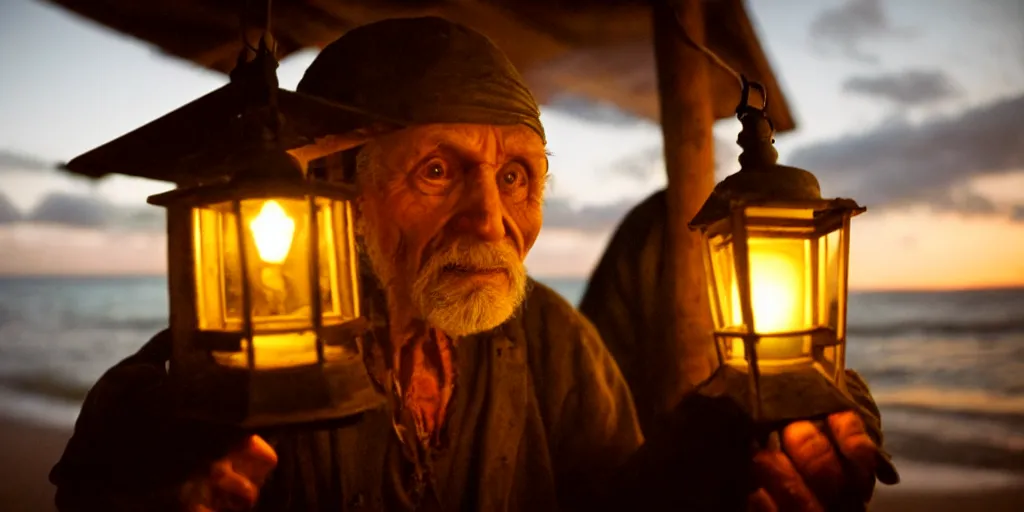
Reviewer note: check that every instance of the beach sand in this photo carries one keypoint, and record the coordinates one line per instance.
(29, 451)
(936, 488)
(990, 500)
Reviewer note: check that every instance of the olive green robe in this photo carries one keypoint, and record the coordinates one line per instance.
(542, 419)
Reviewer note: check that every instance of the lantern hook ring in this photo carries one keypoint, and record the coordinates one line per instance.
(744, 108)
(745, 93)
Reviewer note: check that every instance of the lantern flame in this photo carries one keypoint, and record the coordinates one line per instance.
(273, 231)
(775, 292)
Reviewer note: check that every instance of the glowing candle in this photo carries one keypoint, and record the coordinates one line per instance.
(776, 297)
(273, 230)
(775, 292)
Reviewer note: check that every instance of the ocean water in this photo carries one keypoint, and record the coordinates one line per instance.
(947, 368)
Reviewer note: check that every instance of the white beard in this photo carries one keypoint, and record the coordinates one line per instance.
(457, 304)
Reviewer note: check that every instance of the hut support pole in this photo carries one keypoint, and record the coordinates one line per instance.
(686, 120)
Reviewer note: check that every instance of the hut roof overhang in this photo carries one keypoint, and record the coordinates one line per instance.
(600, 50)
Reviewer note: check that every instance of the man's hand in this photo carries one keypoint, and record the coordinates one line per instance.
(231, 483)
(815, 473)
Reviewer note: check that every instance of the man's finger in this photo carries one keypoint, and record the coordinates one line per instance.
(255, 460)
(854, 443)
(814, 457)
(760, 501)
(231, 488)
(783, 483)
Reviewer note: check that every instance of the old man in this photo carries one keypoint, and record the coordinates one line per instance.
(502, 396)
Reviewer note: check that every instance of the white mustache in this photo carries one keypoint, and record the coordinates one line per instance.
(473, 255)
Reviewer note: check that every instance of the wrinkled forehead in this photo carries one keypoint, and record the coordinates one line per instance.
(486, 143)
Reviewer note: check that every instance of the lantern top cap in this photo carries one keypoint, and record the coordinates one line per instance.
(761, 180)
(271, 174)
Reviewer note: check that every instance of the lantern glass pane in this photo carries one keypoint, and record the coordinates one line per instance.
(780, 296)
(276, 237)
(338, 262)
(722, 285)
(829, 268)
(720, 263)
(780, 259)
(831, 282)
(218, 268)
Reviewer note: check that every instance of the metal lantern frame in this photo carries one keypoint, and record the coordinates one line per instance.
(206, 386)
(764, 204)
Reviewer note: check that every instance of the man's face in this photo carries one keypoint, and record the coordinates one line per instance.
(448, 214)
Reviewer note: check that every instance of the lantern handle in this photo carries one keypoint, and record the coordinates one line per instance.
(266, 26)
(704, 49)
(255, 79)
(243, 25)
(244, 29)
(744, 108)
(747, 85)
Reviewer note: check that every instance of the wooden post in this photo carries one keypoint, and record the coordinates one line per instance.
(686, 120)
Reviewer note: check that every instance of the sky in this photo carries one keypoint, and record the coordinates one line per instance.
(913, 107)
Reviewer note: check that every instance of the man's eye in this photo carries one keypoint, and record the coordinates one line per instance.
(435, 171)
(513, 176)
(434, 177)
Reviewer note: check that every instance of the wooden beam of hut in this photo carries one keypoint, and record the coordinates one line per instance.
(686, 120)
(596, 49)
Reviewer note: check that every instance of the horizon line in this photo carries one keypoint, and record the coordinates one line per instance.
(542, 278)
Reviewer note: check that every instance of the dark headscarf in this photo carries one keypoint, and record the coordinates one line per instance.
(421, 71)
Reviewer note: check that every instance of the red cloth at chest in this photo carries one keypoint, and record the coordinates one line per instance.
(427, 379)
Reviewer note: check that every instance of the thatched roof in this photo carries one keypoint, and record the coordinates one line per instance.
(597, 49)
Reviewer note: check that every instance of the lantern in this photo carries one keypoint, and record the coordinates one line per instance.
(265, 310)
(776, 257)
(265, 298)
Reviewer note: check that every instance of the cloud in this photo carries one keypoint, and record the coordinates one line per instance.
(14, 161)
(144, 218)
(71, 210)
(908, 88)
(848, 25)
(93, 212)
(597, 112)
(908, 242)
(642, 164)
(8, 213)
(1017, 214)
(959, 199)
(898, 163)
(559, 214)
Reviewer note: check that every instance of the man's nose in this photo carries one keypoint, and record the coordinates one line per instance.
(480, 210)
